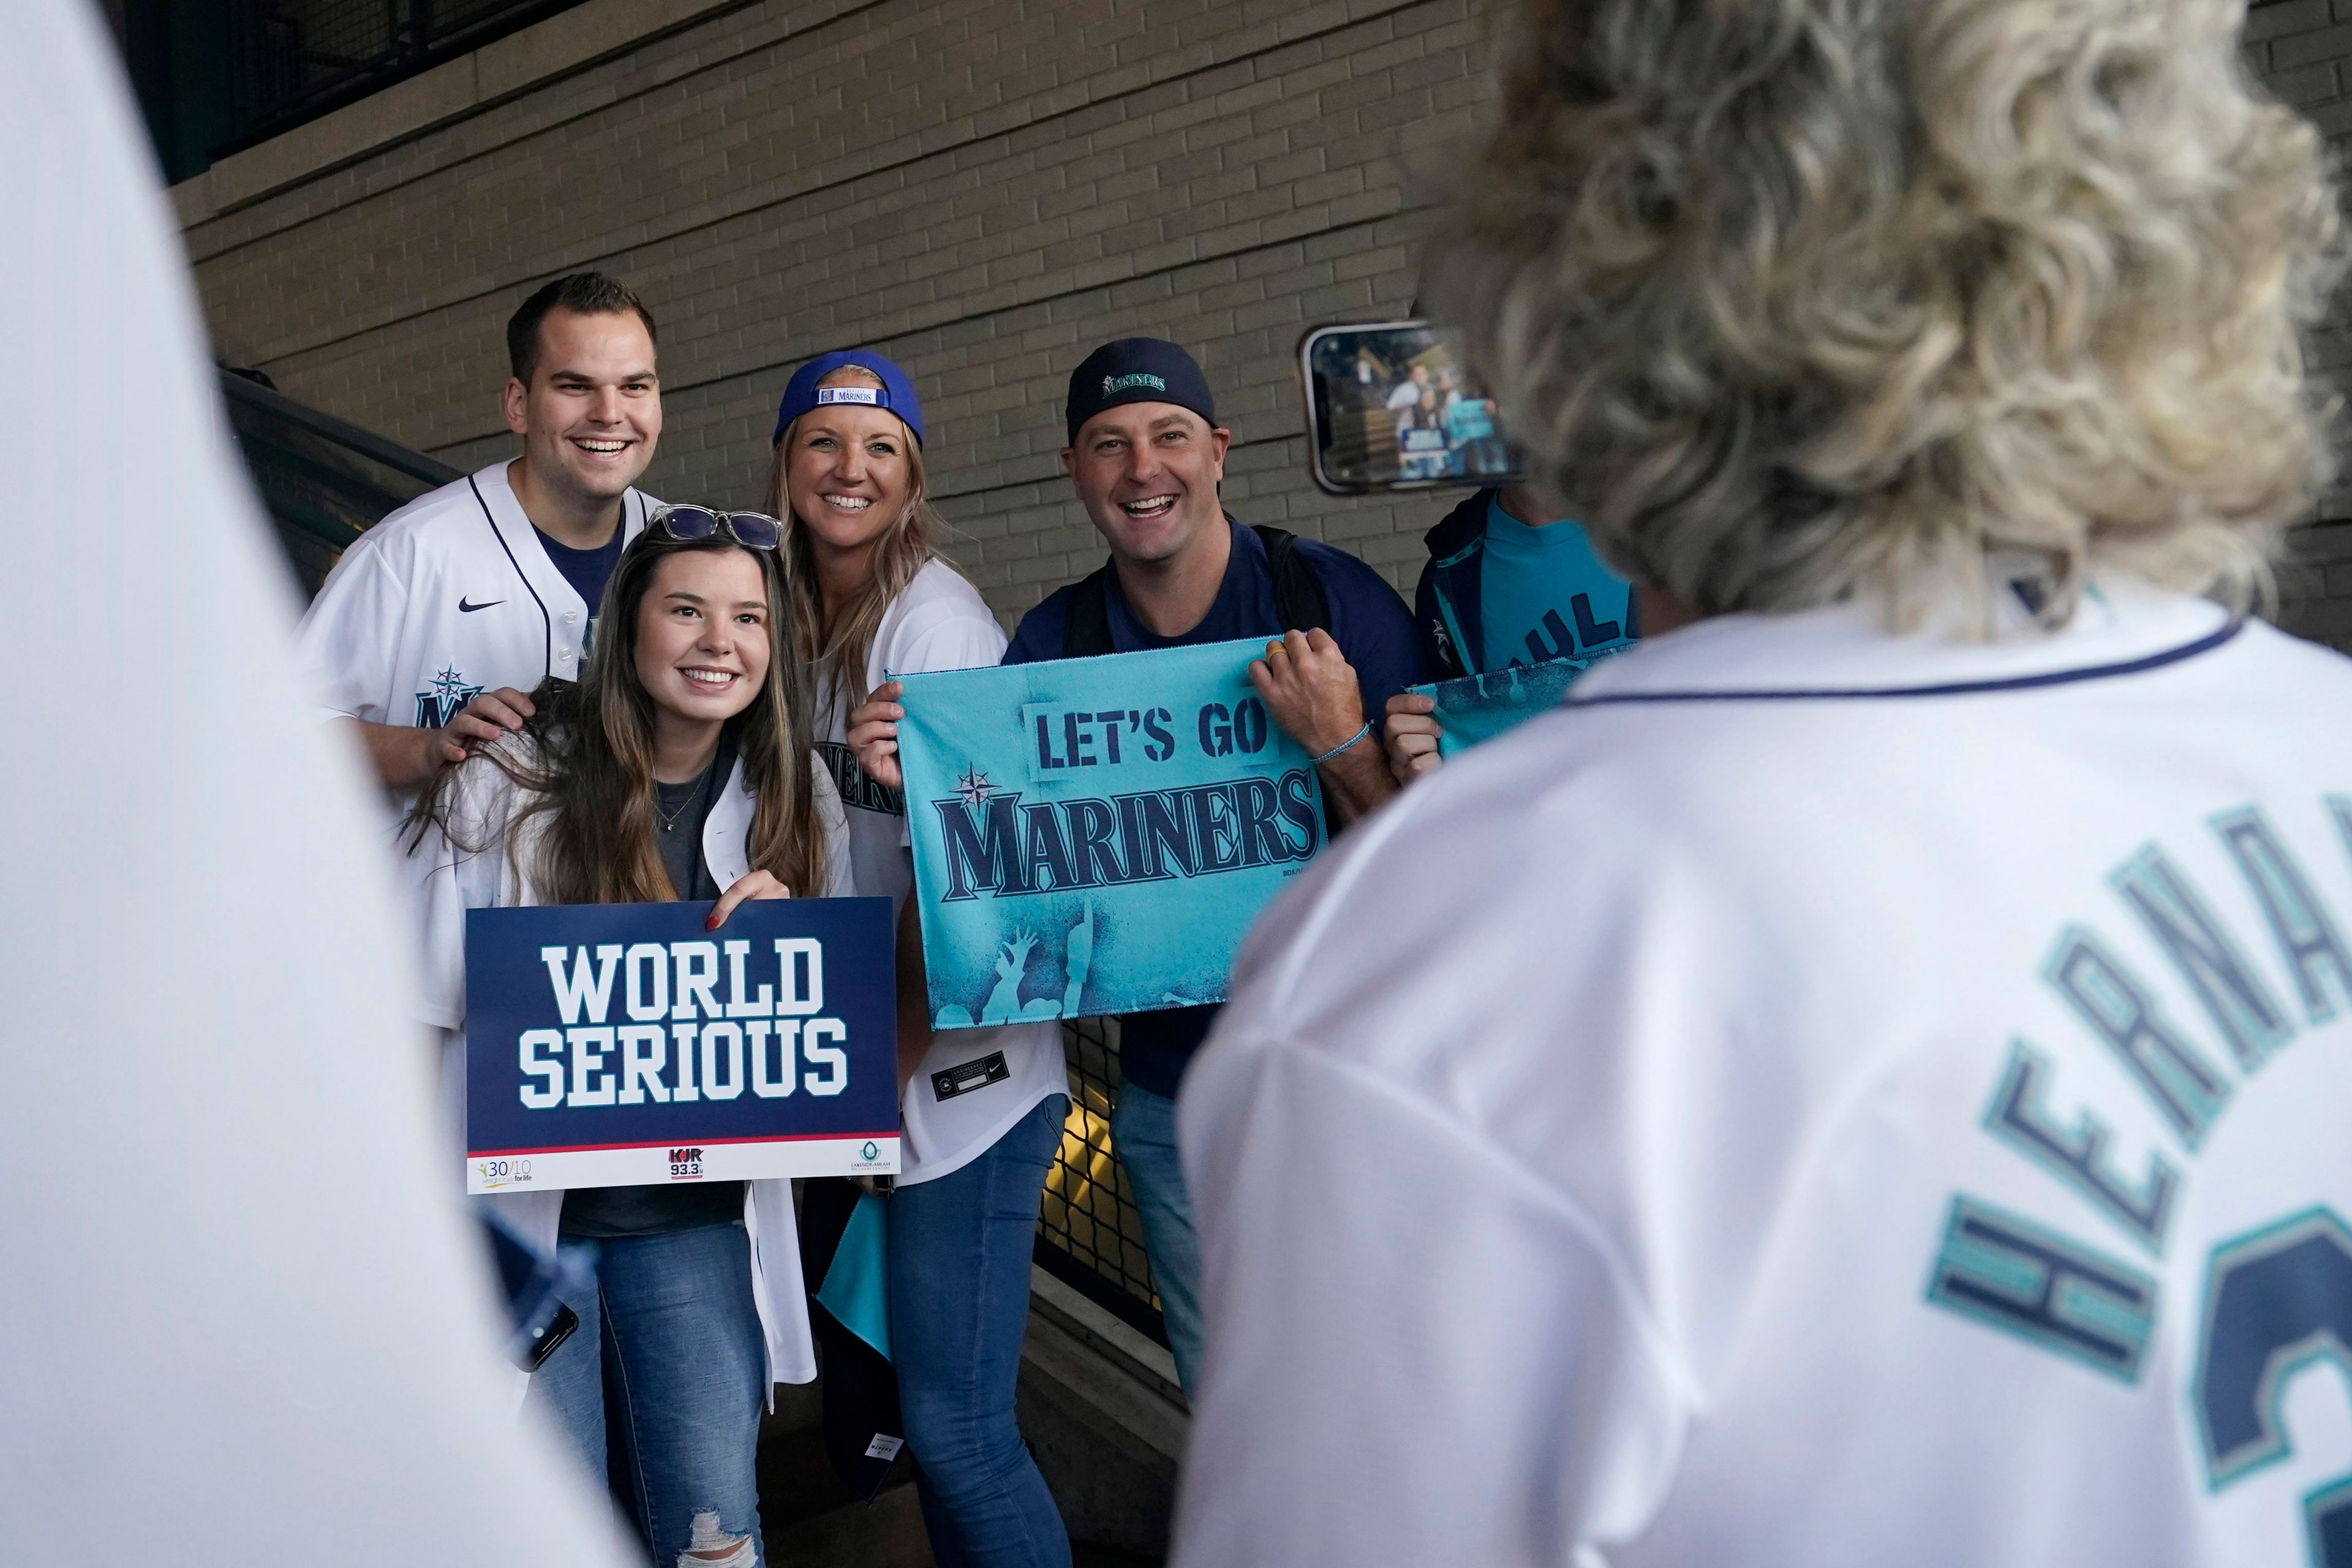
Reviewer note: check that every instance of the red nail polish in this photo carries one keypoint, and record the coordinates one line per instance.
(711, 921)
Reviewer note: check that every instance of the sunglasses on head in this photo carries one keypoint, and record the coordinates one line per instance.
(751, 530)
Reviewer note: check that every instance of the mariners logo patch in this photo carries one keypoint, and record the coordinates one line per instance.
(444, 699)
(1132, 380)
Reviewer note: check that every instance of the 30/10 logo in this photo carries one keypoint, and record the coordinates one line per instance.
(502, 1173)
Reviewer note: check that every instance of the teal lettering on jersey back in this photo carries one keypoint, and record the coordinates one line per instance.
(2078, 1155)
(2306, 935)
(2122, 1012)
(2278, 1303)
(1095, 835)
(2178, 919)
(2006, 1271)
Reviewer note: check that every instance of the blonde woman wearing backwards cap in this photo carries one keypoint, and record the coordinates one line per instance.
(876, 600)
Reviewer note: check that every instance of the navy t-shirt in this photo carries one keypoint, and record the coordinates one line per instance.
(586, 570)
(1373, 629)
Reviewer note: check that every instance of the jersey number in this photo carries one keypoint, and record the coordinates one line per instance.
(2277, 1301)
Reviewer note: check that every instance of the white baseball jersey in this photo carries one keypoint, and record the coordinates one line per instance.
(448, 598)
(973, 1084)
(243, 1317)
(1822, 1098)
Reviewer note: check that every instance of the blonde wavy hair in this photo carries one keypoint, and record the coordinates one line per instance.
(835, 648)
(1800, 301)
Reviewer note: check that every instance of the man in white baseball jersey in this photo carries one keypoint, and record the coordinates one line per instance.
(432, 627)
(1867, 1082)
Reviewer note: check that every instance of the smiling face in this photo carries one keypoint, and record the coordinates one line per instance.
(847, 473)
(703, 636)
(591, 416)
(1148, 474)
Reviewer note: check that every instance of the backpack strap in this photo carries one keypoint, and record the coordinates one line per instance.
(1298, 596)
(1299, 600)
(1085, 620)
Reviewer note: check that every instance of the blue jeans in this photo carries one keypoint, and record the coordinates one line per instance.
(959, 1252)
(1143, 1133)
(669, 1366)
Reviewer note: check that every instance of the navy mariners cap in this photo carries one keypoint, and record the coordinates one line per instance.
(1137, 370)
(896, 393)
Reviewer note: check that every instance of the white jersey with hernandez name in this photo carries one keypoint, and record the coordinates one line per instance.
(448, 598)
(1821, 1098)
(973, 1084)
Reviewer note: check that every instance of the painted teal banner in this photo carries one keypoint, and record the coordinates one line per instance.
(1480, 707)
(1095, 835)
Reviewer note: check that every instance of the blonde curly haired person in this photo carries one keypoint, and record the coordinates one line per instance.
(1864, 1082)
(1804, 299)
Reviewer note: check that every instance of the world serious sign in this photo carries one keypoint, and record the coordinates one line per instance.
(617, 1045)
(1095, 835)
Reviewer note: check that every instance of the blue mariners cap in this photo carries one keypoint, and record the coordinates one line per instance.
(896, 393)
(1137, 370)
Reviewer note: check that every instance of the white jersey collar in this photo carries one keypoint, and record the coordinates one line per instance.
(515, 532)
(1845, 651)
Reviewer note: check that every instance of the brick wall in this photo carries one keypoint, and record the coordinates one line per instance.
(982, 188)
(2303, 50)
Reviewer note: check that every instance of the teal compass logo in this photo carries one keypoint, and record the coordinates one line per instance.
(444, 699)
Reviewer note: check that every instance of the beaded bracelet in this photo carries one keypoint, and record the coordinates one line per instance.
(1345, 744)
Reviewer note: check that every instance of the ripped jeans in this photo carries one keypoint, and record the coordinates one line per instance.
(660, 1390)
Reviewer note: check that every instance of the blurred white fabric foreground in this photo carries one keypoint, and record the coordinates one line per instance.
(242, 1318)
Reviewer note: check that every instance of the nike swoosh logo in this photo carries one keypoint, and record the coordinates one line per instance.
(465, 609)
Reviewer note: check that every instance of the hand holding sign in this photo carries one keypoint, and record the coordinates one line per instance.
(874, 734)
(1310, 688)
(1477, 707)
(1412, 735)
(1313, 691)
(757, 885)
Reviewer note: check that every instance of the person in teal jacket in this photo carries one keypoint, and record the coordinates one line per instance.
(1499, 591)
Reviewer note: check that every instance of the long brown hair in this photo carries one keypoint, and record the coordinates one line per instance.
(588, 758)
(838, 651)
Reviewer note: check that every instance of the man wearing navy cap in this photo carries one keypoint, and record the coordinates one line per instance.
(1146, 455)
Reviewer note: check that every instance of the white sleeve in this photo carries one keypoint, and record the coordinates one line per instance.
(833, 819)
(966, 642)
(348, 645)
(244, 1315)
(444, 880)
(1417, 1352)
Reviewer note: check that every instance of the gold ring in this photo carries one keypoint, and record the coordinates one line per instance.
(1275, 647)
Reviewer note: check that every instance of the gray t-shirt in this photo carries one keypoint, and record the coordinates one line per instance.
(681, 811)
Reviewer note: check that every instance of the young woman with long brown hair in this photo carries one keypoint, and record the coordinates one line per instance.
(678, 767)
(982, 1109)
